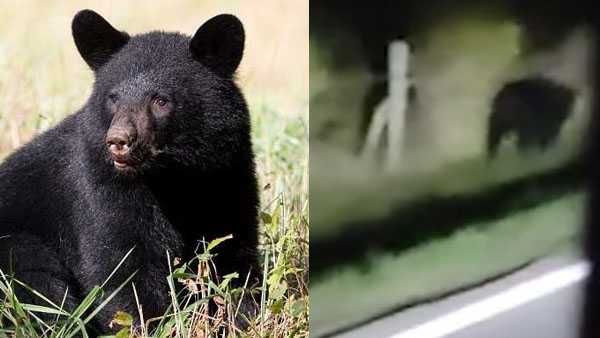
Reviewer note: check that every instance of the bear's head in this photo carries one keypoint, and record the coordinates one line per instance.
(164, 100)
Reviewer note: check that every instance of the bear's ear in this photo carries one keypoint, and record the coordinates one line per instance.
(219, 44)
(95, 38)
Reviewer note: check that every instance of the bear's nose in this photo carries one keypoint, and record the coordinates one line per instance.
(119, 141)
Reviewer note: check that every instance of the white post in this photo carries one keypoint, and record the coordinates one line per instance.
(375, 129)
(398, 53)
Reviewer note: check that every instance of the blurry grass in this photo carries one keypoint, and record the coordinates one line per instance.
(43, 79)
(371, 194)
(470, 255)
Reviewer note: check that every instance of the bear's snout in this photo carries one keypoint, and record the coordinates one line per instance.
(119, 141)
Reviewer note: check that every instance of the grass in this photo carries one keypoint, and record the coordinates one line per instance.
(369, 194)
(43, 79)
(477, 252)
(283, 309)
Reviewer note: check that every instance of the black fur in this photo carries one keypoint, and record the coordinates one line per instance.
(70, 213)
(533, 108)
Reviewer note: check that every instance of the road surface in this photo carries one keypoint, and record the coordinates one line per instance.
(542, 300)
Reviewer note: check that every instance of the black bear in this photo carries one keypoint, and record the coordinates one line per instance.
(533, 108)
(158, 159)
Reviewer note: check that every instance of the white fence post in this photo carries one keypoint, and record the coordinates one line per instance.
(398, 54)
(390, 113)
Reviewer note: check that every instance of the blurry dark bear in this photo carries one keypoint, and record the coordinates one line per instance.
(158, 159)
(532, 108)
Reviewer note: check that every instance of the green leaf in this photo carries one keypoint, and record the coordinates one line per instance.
(275, 220)
(227, 279)
(272, 228)
(183, 275)
(43, 309)
(276, 275)
(123, 319)
(277, 291)
(277, 306)
(123, 333)
(297, 308)
(180, 270)
(266, 218)
(217, 241)
(204, 257)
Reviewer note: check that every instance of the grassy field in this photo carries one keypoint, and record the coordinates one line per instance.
(43, 79)
(369, 194)
(391, 281)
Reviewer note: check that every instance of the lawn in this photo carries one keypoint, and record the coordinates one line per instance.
(43, 79)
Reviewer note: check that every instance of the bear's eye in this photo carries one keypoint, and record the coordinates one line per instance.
(160, 101)
(161, 105)
(113, 98)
